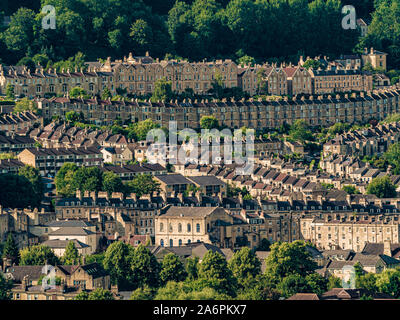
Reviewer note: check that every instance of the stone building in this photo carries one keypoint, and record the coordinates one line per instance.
(43, 83)
(375, 58)
(49, 161)
(337, 79)
(347, 231)
(316, 110)
(176, 226)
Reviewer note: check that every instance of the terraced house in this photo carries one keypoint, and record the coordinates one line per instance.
(336, 79)
(365, 142)
(323, 110)
(42, 83)
(49, 161)
(138, 74)
(19, 122)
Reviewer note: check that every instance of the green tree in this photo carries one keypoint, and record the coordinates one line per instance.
(98, 257)
(97, 294)
(112, 183)
(195, 290)
(317, 283)
(311, 63)
(64, 179)
(334, 282)
(382, 187)
(246, 61)
(5, 288)
(87, 179)
(142, 184)
(292, 284)
(162, 91)
(10, 250)
(82, 296)
(389, 282)
(106, 94)
(172, 269)
(367, 281)
(38, 255)
(73, 116)
(209, 122)
(338, 128)
(25, 105)
(16, 191)
(264, 245)
(71, 255)
(244, 264)
(145, 268)
(214, 270)
(34, 177)
(141, 33)
(392, 156)
(299, 131)
(143, 293)
(5, 156)
(27, 62)
(192, 268)
(77, 92)
(21, 34)
(10, 92)
(101, 294)
(350, 189)
(141, 129)
(117, 263)
(262, 287)
(217, 86)
(289, 258)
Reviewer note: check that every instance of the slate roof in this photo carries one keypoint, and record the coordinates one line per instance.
(70, 231)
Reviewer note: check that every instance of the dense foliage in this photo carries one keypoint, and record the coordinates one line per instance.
(191, 29)
(21, 190)
(71, 178)
(38, 255)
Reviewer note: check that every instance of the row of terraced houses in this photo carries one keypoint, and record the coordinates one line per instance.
(316, 110)
(138, 76)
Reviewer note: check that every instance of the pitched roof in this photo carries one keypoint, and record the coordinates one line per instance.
(304, 296)
(69, 231)
(179, 212)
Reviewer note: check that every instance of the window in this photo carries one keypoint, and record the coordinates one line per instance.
(180, 242)
(161, 227)
(162, 243)
(198, 227)
(179, 227)
(171, 242)
(189, 227)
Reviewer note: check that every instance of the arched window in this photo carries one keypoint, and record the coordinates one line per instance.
(161, 227)
(180, 242)
(189, 241)
(189, 227)
(162, 243)
(171, 242)
(179, 227)
(198, 227)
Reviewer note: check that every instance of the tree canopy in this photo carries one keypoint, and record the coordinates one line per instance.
(38, 255)
(382, 187)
